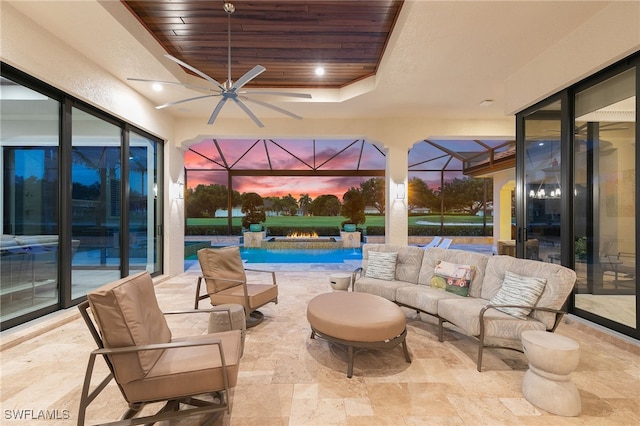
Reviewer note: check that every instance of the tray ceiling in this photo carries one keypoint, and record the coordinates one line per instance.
(289, 38)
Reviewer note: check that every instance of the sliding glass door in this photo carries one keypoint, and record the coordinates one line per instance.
(605, 200)
(577, 192)
(81, 201)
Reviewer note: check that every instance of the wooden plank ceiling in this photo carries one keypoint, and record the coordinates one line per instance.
(289, 38)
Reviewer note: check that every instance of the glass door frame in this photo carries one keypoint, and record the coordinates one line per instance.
(566, 176)
(567, 237)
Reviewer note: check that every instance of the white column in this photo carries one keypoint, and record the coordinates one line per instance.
(396, 220)
(173, 211)
(503, 185)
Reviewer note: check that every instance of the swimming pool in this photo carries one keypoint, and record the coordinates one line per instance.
(259, 255)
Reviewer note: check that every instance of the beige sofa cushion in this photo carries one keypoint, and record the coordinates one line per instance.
(423, 297)
(128, 314)
(432, 255)
(560, 282)
(221, 263)
(382, 288)
(408, 261)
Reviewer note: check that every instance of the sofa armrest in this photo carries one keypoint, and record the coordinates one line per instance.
(356, 272)
(559, 313)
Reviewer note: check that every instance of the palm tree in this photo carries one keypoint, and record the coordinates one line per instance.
(304, 202)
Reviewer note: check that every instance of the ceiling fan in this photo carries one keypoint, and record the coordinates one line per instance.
(229, 90)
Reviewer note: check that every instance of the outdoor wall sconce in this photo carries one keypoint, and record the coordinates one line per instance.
(400, 191)
(179, 190)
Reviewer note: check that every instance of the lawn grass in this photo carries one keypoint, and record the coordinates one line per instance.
(311, 221)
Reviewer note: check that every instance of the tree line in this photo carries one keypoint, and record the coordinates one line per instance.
(458, 195)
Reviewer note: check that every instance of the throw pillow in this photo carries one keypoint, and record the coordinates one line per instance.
(454, 278)
(518, 290)
(382, 265)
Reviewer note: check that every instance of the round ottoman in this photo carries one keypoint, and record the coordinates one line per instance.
(357, 320)
(219, 321)
(547, 383)
(340, 282)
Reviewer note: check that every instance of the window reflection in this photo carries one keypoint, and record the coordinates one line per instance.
(29, 244)
(96, 178)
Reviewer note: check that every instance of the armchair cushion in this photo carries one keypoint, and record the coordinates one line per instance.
(128, 314)
(259, 295)
(224, 263)
(181, 372)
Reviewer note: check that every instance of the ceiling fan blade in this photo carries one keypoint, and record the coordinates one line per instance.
(190, 86)
(216, 110)
(246, 109)
(273, 107)
(195, 70)
(290, 94)
(168, 104)
(247, 77)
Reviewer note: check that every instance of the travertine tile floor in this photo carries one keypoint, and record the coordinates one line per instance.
(288, 379)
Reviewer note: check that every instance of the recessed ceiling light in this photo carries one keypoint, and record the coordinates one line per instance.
(157, 87)
(319, 71)
(486, 102)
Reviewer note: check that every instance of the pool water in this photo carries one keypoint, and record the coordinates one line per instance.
(259, 255)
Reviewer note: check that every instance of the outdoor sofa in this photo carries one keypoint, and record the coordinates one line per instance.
(492, 298)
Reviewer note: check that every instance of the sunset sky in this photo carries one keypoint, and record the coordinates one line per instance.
(206, 163)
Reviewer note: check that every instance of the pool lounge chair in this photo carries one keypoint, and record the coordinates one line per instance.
(433, 243)
(445, 243)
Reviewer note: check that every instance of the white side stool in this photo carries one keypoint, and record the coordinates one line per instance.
(340, 282)
(219, 321)
(547, 383)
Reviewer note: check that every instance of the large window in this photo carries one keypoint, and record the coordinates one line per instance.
(70, 183)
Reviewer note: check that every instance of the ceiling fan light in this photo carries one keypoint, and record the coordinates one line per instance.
(319, 71)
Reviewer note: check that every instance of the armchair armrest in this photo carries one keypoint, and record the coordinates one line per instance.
(155, 346)
(199, 297)
(209, 310)
(273, 274)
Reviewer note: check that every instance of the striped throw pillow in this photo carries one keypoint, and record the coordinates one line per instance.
(518, 290)
(382, 265)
